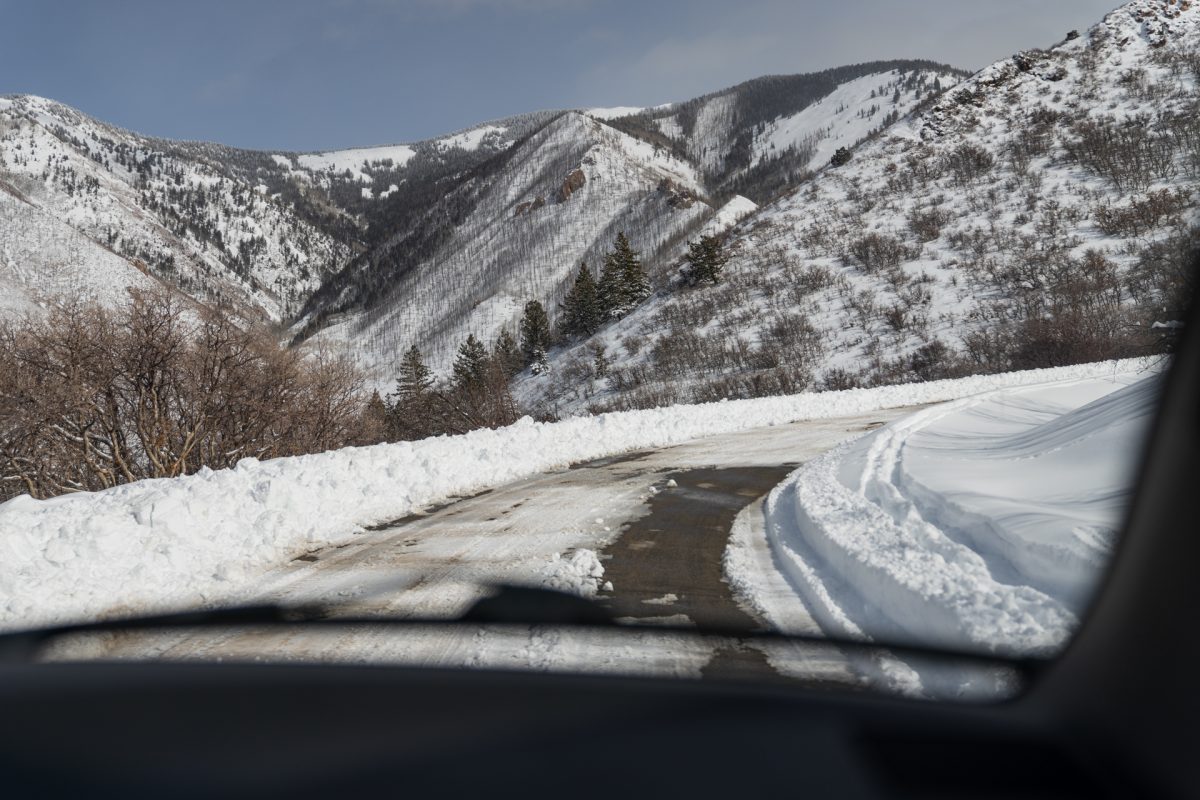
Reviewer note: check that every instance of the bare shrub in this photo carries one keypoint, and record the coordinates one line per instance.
(876, 251)
(94, 397)
(1143, 214)
(793, 333)
(1163, 279)
(482, 403)
(1130, 153)
(935, 361)
(969, 163)
(838, 379)
(926, 224)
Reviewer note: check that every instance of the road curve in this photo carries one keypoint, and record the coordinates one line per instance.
(659, 520)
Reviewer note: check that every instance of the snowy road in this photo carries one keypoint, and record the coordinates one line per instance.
(658, 520)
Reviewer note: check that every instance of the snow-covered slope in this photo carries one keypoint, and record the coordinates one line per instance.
(191, 215)
(757, 137)
(42, 257)
(849, 114)
(1041, 212)
(517, 232)
(982, 524)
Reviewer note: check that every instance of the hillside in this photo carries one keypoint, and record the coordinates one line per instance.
(108, 203)
(357, 237)
(515, 227)
(1040, 213)
(761, 136)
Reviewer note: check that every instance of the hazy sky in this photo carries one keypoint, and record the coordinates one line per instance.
(307, 75)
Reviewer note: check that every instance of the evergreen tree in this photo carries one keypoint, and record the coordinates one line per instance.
(600, 362)
(410, 406)
(471, 364)
(376, 421)
(623, 283)
(609, 295)
(706, 258)
(415, 379)
(506, 354)
(635, 284)
(840, 157)
(581, 309)
(535, 333)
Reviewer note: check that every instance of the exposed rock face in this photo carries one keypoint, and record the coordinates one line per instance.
(571, 184)
(529, 205)
(677, 196)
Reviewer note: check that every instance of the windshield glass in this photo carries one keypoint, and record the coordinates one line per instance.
(855, 349)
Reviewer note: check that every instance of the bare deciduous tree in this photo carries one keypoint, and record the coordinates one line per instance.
(95, 397)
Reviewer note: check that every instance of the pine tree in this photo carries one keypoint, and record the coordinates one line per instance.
(535, 333)
(415, 379)
(608, 293)
(506, 354)
(600, 362)
(471, 364)
(581, 309)
(635, 284)
(409, 407)
(841, 156)
(706, 258)
(376, 422)
(623, 283)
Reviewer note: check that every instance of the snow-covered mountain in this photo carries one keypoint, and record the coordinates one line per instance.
(515, 227)
(515, 230)
(763, 135)
(95, 208)
(1040, 212)
(415, 243)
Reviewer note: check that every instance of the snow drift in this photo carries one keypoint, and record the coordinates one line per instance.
(983, 523)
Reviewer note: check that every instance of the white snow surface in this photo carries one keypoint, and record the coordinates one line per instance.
(982, 523)
(728, 215)
(188, 540)
(844, 117)
(614, 112)
(355, 159)
(471, 139)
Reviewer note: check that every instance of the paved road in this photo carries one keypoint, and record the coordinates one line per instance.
(659, 520)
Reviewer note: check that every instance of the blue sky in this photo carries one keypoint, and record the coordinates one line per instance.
(308, 75)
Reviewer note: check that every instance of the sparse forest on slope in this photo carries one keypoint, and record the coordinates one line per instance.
(193, 216)
(1040, 213)
(755, 139)
(409, 244)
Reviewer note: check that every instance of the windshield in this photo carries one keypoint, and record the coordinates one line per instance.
(747, 335)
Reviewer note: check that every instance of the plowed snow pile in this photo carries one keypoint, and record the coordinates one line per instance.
(983, 523)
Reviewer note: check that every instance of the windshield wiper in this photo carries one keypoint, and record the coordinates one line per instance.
(509, 605)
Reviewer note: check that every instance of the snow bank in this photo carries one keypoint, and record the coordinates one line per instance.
(981, 523)
(206, 537)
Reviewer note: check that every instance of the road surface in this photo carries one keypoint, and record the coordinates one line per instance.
(659, 522)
